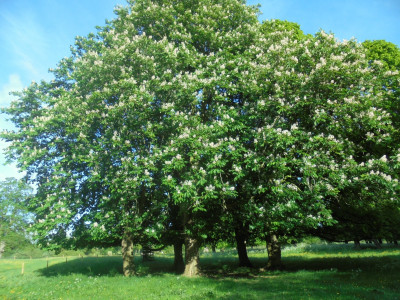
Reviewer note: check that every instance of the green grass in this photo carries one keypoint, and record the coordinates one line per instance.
(311, 272)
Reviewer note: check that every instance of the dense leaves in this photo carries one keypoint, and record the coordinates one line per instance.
(14, 217)
(191, 117)
(369, 208)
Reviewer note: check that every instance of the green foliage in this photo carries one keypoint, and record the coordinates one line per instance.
(192, 117)
(385, 52)
(271, 26)
(14, 196)
(377, 214)
(15, 244)
(14, 216)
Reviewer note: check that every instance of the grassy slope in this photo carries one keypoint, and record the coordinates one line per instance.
(318, 272)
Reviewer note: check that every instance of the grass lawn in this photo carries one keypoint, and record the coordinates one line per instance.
(311, 272)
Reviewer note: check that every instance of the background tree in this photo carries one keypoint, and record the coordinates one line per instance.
(312, 117)
(375, 216)
(14, 217)
(362, 210)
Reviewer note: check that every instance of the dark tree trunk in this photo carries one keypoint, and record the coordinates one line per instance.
(147, 253)
(274, 253)
(376, 243)
(357, 244)
(395, 242)
(240, 237)
(214, 248)
(191, 257)
(128, 265)
(179, 264)
(177, 220)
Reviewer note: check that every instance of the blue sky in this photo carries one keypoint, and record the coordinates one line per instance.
(35, 35)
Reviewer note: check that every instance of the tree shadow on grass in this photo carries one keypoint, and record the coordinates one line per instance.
(222, 267)
(105, 266)
(228, 267)
(301, 285)
(342, 264)
(367, 277)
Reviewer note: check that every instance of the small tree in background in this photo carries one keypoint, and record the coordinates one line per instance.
(14, 216)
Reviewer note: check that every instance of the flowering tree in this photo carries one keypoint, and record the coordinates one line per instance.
(134, 120)
(316, 127)
(376, 216)
(187, 116)
(368, 208)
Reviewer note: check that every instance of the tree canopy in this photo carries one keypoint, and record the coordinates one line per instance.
(178, 118)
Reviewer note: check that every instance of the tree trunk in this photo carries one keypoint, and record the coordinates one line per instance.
(357, 244)
(2, 248)
(376, 243)
(191, 257)
(177, 220)
(179, 264)
(214, 248)
(241, 249)
(147, 253)
(274, 253)
(128, 265)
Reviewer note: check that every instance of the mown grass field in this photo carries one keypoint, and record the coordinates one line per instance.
(311, 272)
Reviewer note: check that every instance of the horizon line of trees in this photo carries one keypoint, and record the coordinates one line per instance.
(189, 122)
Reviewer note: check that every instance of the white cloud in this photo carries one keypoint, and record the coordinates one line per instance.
(14, 84)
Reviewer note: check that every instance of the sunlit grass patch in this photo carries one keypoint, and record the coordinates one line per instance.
(314, 272)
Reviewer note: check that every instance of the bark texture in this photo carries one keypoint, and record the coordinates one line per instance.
(274, 253)
(128, 265)
(191, 257)
(240, 237)
(2, 248)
